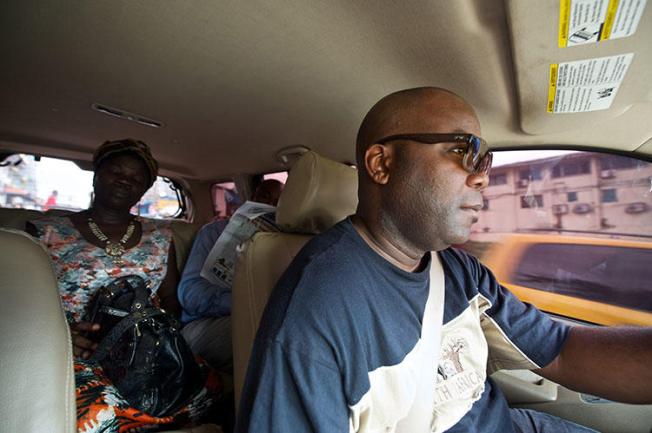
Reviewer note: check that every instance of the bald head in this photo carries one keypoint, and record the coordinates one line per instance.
(408, 111)
(417, 196)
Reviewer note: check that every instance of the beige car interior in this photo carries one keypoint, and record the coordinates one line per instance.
(230, 80)
(319, 193)
(36, 368)
(218, 89)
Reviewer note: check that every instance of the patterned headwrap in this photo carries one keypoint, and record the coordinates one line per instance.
(128, 145)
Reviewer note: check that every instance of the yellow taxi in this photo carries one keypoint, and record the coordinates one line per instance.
(591, 279)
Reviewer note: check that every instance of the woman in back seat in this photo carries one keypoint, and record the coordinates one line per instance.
(90, 249)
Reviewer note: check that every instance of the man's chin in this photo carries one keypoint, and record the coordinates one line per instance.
(460, 237)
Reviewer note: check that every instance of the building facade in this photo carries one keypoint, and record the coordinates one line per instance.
(602, 194)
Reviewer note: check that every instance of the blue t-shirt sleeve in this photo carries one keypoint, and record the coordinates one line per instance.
(198, 297)
(288, 391)
(522, 325)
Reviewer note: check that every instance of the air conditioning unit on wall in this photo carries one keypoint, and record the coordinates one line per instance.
(582, 208)
(638, 207)
(607, 174)
(522, 183)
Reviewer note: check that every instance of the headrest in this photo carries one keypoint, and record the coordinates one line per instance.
(319, 193)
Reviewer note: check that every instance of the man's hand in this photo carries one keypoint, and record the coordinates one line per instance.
(82, 346)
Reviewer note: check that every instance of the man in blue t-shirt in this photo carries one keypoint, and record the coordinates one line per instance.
(347, 342)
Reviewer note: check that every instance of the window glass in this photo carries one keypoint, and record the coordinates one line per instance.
(614, 275)
(618, 162)
(498, 179)
(530, 173)
(530, 201)
(535, 236)
(48, 183)
(281, 176)
(226, 200)
(571, 168)
(609, 196)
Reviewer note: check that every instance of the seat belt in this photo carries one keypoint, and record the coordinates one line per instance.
(419, 417)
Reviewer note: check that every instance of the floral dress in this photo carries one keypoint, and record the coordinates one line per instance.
(82, 269)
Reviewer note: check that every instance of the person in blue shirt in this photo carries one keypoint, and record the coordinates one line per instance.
(349, 341)
(206, 308)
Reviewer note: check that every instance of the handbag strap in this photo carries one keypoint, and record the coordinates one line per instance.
(130, 282)
(120, 328)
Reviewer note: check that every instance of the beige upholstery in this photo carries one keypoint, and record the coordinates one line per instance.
(37, 386)
(259, 267)
(183, 232)
(319, 193)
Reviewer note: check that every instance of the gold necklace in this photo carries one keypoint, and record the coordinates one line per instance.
(114, 250)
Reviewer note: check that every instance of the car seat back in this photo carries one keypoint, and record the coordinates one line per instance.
(37, 385)
(319, 193)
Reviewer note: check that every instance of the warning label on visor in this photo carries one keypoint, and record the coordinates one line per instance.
(586, 85)
(588, 21)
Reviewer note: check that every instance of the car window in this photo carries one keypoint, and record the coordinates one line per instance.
(609, 274)
(570, 232)
(281, 176)
(226, 200)
(31, 182)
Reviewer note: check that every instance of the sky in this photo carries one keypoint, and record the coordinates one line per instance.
(73, 184)
(508, 157)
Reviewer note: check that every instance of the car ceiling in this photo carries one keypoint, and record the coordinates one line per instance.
(235, 81)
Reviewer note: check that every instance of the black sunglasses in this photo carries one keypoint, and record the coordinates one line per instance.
(477, 157)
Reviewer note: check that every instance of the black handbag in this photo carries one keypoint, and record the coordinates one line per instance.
(141, 349)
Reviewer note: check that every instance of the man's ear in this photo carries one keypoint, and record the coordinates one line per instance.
(378, 159)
